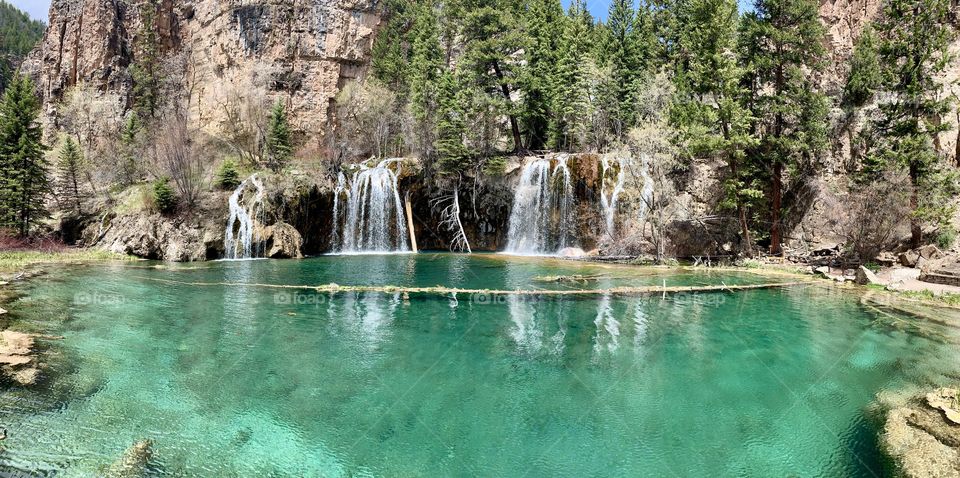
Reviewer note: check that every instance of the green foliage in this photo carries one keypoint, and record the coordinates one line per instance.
(164, 198)
(781, 49)
(279, 145)
(866, 75)
(228, 176)
(451, 128)
(389, 61)
(130, 170)
(146, 67)
(426, 67)
(946, 237)
(23, 175)
(18, 35)
(914, 40)
(630, 46)
(70, 167)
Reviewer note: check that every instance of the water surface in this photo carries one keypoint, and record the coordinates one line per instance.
(243, 380)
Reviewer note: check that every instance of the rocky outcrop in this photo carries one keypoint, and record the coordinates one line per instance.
(133, 463)
(301, 52)
(844, 21)
(921, 438)
(283, 241)
(159, 237)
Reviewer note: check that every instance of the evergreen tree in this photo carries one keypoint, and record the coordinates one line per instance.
(18, 35)
(389, 60)
(69, 172)
(426, 67)
(451, 127)
(163, 196)
(629, 46)
(708, 109)
(866, 75)
(279, 145)
(23, 179)
(782, 48)
(544, 27)
(493, 41)
(568, 122)
(146, 67)
(129, 167)
(914, 45)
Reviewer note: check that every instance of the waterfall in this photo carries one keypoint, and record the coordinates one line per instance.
(335, 240)
(373, 219)
(609, 201)
(238, 242)
(541, 221)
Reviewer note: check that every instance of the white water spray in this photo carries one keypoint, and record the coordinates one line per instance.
(541, 221)
(374, 220)
(239, 241)
(608, 201)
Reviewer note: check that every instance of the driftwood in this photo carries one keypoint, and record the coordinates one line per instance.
(441, 290)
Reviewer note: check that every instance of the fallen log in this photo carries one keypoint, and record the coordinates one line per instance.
(441, 290)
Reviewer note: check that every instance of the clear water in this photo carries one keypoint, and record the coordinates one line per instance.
(249, 381)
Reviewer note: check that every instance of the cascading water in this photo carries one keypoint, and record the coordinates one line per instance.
(541, 221)
(239, 241)
(374, 220)
(338, 192)
(609, 201)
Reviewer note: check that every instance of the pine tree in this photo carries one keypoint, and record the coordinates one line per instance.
(279, 146)
(914, 43)
(629, 46)
(568, 122)
(426, 67)
(866, 75)
(782, 48)
(69, 172)
(544, 26)
(129, 167)
(146, 67)
(389, 60)
(23, 179)
(708, 108)
(493, 41)
(451, 127)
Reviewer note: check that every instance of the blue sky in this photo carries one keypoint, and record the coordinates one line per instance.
(38, 8)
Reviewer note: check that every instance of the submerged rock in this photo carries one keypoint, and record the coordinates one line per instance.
(16, 357)
(133, 462)
(922, 440)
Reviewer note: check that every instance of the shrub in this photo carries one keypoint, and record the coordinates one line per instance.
(946, 236)
(163, 197)
(227, 176)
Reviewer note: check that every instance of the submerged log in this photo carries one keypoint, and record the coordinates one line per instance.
(441, 290)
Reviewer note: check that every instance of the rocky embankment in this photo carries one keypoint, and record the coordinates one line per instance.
(922, 437)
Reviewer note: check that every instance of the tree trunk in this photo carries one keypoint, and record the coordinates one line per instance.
(514, 126)
(916, 233)
(776, 235)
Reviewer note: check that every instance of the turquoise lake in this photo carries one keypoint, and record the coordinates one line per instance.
(228, 377)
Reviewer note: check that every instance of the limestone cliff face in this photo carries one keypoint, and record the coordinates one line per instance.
(844, 21)
(301, 51)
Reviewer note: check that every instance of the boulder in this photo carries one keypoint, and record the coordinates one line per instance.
(283, 241)
(16, 357)
(946, 400)
(930, 252)
(908, 258)
(823, 270)
(866, 276)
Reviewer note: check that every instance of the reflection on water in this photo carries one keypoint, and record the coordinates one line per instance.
(232, 380)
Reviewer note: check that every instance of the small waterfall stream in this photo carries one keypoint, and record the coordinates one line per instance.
(541, 221)
(372, 215)
(239, 241)
(609, 201)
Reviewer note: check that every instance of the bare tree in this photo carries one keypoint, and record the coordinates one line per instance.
(369, 121)
(178, 157)
(449, 205)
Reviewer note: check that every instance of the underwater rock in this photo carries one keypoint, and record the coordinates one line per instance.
(133, 462)
(945, 399)
(920, 440)
(16, 357)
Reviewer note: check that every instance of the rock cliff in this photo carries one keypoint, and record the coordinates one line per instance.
(301, 51)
